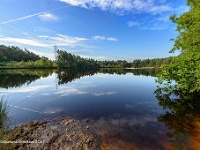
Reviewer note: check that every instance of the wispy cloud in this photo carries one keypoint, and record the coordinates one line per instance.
(103, 93)
(79, 50)
(72, 43)
(33, 15)
(104, 38)
(123, 6)
(26, 89)
(48, 17)
(96, 57)
(112, 39)
(132, 23)
(48, 54)
(157, 22)
(21, 18)
(10, 40)
(99, 37)
(64, 40)
(64, 91)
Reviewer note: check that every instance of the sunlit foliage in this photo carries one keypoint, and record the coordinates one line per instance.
(185, 69)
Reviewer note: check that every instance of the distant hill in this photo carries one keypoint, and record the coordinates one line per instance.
(11, 53)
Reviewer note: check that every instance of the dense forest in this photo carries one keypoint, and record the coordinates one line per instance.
(12, 53)
(14, 57)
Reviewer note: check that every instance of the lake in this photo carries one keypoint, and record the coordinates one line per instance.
(119, 104)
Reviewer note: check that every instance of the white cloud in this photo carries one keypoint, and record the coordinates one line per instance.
(80, 50)
(27, 89)
(157, 9)
(123, 6)
(99, 37)
(112, 39)
(157, 22)
(104, 38)
(64, 40)
(64, 91)
(50, 55)
(132, 23)
(48, 42)
(95, 57)
(102, 93)
(32, 42)
(48, 17)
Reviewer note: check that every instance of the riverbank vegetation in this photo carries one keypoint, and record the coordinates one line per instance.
(4, 123)
(185, 69)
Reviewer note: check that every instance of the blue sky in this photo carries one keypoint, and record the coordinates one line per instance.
(98, 29)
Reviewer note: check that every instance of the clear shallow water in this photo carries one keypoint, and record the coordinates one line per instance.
(99, 95)
(119, 105)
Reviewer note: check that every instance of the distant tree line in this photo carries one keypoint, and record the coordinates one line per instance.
(14, 57)
(67, 60)
(138, 63)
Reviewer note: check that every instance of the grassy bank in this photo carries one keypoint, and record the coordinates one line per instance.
(4, 123)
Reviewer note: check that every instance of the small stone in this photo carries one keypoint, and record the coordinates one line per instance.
(87, 127)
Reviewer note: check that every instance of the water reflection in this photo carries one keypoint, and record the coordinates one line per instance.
(146, 72)
(68, 75)
(129, 132)
(18, 77)
(182, 118)
(118, 105)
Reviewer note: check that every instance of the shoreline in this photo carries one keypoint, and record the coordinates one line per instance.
(58, 133)
(89, 134)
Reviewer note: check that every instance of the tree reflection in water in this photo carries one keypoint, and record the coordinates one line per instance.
(18, 77)
(182, 118)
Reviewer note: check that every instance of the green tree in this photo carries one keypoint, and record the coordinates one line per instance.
(67, 60)
(185, 69)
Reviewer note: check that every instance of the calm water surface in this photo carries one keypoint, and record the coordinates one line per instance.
(119, 105)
